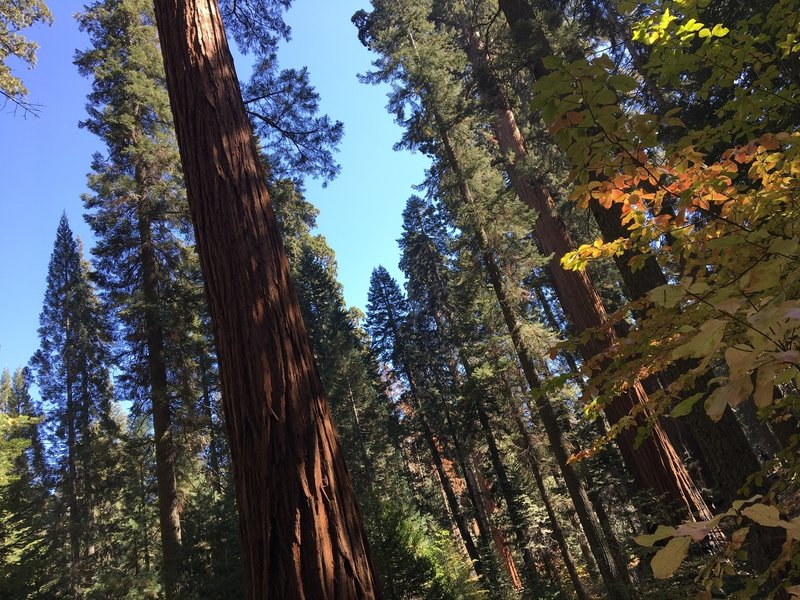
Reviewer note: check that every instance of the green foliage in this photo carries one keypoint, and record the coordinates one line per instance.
(714, 195)
(416, 561)
(15, 17)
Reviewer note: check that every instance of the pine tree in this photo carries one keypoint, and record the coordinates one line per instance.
(144, 257)
(23, 490)
(72, 374)
(413, 50)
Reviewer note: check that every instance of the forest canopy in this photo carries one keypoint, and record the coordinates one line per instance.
(586, 384)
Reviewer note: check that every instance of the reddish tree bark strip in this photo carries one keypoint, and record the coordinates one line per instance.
(301, 530)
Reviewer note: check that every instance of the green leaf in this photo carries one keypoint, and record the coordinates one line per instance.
(605, 97)
(605, 62)
(669, 558)
(623, 83)
(763, 276)
(552, 62)
(686, 406)
(667, 295)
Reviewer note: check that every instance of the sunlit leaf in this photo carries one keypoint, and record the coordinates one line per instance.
(669, 558)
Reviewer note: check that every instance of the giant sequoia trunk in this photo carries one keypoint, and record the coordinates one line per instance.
(301, 530)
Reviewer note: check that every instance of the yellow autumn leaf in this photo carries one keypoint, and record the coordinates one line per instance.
(765, 383)
(763, 514)
(669, 558)
(740, 359)
(719, 31)
(661, 532)
(715, 406)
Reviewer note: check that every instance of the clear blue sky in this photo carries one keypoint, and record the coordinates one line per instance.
(44, 162)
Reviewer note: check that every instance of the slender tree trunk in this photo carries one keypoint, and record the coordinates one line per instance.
(362, 444)
(72, 489)
(168, 508)
(452, 500)
(456, 513)
(514, 508)
(217, 545)
(532, 460)
(301, 531)
(549, 315)
(500, 545)
(476, 499)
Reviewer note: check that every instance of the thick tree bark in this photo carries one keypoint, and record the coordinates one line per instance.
(301, 530)
(166, 481)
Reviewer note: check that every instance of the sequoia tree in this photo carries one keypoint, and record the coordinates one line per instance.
(301, 530)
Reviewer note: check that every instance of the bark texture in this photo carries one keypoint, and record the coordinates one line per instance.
(301, 530)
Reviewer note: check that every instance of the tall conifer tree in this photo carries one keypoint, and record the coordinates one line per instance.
(137, 210)
(72, 374)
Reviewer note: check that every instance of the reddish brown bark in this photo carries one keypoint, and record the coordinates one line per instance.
(498, 539)
(301, 530)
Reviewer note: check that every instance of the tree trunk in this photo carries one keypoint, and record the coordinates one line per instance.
(513, 505)
(166, 482)
(716, 442)
(500, 545)
(72, 488)
(301, 530)
(452, 501)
